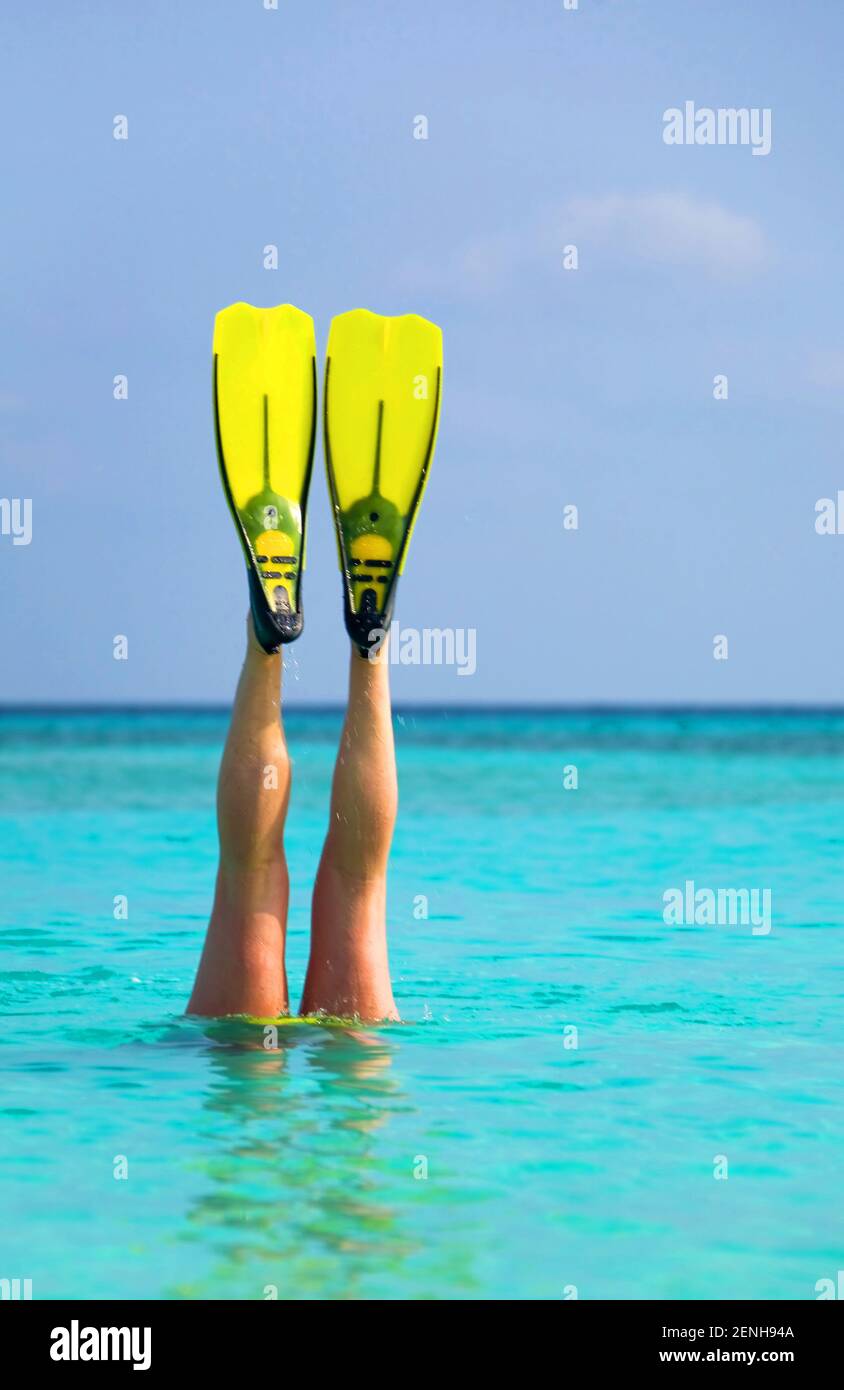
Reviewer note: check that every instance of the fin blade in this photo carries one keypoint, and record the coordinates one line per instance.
(265, 369)
(374, 359)
(265, 409)
(381, 414)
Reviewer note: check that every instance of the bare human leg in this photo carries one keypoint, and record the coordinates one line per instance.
(348, 972)
(242, 966)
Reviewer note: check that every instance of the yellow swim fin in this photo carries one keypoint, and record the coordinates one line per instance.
(381, 411)
(265, 415)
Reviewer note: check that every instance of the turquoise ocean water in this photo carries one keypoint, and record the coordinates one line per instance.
(550, 1167)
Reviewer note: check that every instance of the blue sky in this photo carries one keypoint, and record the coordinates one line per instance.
(592, 387)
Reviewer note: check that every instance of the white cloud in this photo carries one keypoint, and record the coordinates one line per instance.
(662, 229)
(670, 229)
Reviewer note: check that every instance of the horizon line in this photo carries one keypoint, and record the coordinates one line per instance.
(432, 707)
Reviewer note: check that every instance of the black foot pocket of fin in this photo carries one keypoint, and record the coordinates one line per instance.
(369, 624)
(273, 627)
